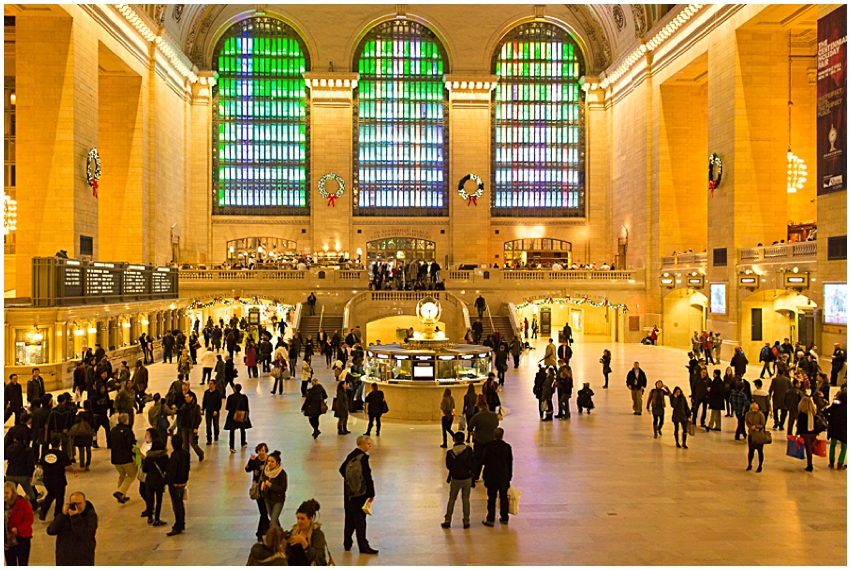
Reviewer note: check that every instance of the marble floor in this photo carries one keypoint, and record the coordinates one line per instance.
(597, 489)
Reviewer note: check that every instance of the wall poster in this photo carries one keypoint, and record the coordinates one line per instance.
(831, 110)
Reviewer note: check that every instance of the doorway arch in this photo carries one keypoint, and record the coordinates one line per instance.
(783, 314)
(402, 248)
(683, 312)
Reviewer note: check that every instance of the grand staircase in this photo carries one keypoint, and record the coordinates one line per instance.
(501, 322)
(309, 326)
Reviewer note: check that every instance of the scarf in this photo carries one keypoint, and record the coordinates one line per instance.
(809, 408)
(272, 473)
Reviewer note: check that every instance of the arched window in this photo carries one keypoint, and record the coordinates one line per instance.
(401, 167)
(260, 121)
(538, 125)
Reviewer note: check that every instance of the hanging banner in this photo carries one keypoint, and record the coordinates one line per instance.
(832, 113)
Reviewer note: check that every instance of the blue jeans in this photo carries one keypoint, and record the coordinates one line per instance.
(274, 510)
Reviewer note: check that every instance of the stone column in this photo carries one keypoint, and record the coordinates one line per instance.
(198, 235)
(331, 97)
(598, 187)
(57, 114)
(470, 153)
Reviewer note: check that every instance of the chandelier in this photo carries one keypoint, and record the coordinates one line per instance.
(796, 168)
(10, 214)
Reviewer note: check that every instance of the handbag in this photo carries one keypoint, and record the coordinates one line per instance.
(141, 475)
(462, 423)
(513, 500)
(323, 407)
(330, 558)
(254, 491)
(276, 372)
(80, 428)
(794, 447)
(240, 416)
(384, 407)
(38, 476)
(820, 447)
(690, 427)
(761, 437)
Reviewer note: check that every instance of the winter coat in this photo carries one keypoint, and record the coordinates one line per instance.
(583, 398)
(739, 363)
(177, 472)
(656, 399)
(792, 399)
(459, 462)
(341, 405)
(125, 402)
(779, 386)
(234, 403)
(680, 411)
(140, 380)
(761, 397)
(21, 460)
(313, 402)
(21, 518)
(277, 493)
(84, 440)
(155, 459)
(498, 461)
(121, 441)
(717, 400)
(189, 416)
(251, 356)
(75, 537)
(837, 418)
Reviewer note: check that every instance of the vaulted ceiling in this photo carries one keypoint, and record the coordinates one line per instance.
(604, 30)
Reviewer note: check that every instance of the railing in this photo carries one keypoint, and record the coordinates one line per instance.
(321, 316)
(779, 252)
(460, 275)
(669, 261)
(297, 316)
(348, 275)
(513, 319)
(490, 317)
(526, 275)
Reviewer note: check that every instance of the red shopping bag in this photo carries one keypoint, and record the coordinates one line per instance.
(820, 447)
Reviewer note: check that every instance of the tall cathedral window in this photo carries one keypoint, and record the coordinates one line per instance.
(401, 164)
(538, 125)
(260, 121)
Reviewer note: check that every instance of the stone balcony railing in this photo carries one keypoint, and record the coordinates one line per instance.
(803, 251)
(683, 260)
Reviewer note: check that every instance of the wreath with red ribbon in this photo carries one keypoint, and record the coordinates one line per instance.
(715, 171)
(332, 198)
(93, 170)
(480, 189)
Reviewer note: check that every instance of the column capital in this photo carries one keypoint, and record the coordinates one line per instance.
(330, 81)
(469, 83)
(202, 89)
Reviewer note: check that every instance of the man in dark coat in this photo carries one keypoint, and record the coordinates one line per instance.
(700, 396)
(478, 330)
(564, 351)
(99, 353)
(498, 462)
(75, 529)
(636, 381)
(188, 422)
(35, 387)
(739, 362)
(211, 405)
(837, 363)
(168, 347)
(357, 490)
(14, 397)
(779, 386)
(140, 385)
(480, 305)
(177, 476)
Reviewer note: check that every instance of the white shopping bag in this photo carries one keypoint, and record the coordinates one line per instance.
(367, 507)
(513, 500)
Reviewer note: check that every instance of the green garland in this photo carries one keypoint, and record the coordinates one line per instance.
(568, 299)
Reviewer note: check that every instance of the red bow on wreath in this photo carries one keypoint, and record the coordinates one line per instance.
(332, 201)
(472, 199)
(94, 184)
(712, 185)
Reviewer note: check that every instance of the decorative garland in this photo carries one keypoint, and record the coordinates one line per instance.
(275, 304)
(332, 198)
(715, 171)
(568, 299)
(93, 163)
(480, 189)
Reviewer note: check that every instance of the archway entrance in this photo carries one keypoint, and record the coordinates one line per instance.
(540, 251)
(775, 314)
(683, 312)
(400, 248)
(248, 249)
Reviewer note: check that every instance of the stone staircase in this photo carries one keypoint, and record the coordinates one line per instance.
(501, 322)
(309, 326)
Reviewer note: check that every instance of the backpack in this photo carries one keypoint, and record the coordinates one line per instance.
(355, 481)
(162, 420)
(460, 469)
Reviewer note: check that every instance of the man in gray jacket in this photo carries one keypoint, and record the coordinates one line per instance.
(780, 384)
(481, 426)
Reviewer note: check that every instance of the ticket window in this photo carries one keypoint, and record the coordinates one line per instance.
(32, 347)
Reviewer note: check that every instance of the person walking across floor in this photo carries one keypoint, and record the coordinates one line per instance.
(459, 462)
(21, 465)
(755, 423)
(376, 406)
(636, 382)
(358, 488)
(515, 347)
(177, 477)
(314, 405)
(208, 362)
(790, 402)
(780, 384)
(256, 464)
(656, 403)
(188, 423)
(238, 419)
(716, 402)
(447, 410)
(54, 464)
(273, 487)
(341, 408)
(739, 404)
(498, 462)
(211, 406)
(680, 414)
(155, 467)
(480, 305)
(121, 442)
(808, 428)
(550, 354)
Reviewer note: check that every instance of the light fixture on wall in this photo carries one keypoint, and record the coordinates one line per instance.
(10, 214)
(13, 99)
(126, 325)
(37, 336)
(92, 330)
(796, 168)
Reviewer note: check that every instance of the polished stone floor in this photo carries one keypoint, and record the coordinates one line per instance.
(597, 489)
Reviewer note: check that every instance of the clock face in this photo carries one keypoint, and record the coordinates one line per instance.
(428, 310)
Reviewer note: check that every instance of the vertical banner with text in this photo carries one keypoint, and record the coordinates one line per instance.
(832, 113)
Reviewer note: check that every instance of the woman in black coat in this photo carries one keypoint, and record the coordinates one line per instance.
(83, 443)
(237, 408)
(313, 404)
(716, 402)
(155, 466)
(837, 428)
(501, 363)
(255, 466)
(680, 415)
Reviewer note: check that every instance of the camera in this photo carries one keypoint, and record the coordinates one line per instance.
(72, 507)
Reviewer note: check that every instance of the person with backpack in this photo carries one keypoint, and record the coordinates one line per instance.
(358, 488)
(767, 356)
(564, 389)
(459, 462)
(81, 431)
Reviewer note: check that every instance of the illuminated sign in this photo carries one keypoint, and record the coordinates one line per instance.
(798, 280)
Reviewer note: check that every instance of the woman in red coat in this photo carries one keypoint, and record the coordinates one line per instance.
(251, 359)
(19, 527)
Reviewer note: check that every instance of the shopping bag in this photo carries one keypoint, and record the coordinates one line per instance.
(367, 507)
(820, 447)
(513, 500)
(794, 447)
(38, 476)
(690, 427)
(462, 423)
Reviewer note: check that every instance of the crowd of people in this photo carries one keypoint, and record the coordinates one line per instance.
(399, 275)
(50, 440)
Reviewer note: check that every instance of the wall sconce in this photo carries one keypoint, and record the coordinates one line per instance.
(37, 336)
(13, 99)
(79, 332)
(146, 322)
(126, 325)
(92, 330)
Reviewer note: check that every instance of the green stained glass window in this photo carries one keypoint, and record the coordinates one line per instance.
(538, 121)
(260, 121)
(401, 163)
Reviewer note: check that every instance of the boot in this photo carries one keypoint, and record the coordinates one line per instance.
(677, 439)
